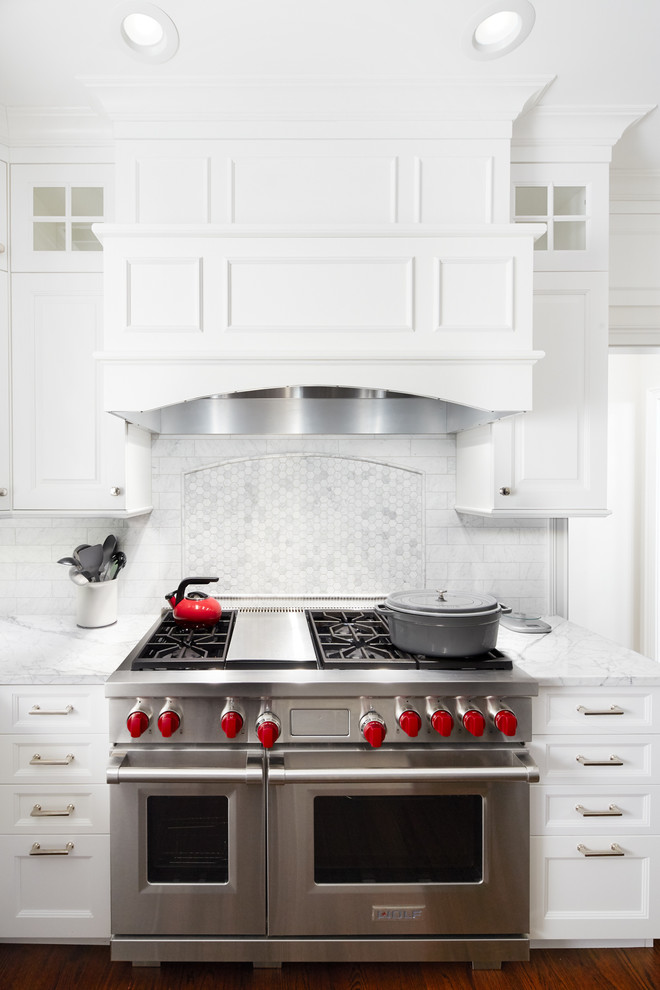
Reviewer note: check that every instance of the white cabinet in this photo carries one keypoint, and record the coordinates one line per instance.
(54, 817)
(68, 454)
(595, 816)
(573, 201)
(4, 225)
(551, 461)
(53, 208)
(5, 421)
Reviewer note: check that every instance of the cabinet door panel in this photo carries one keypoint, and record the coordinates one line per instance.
(5, 421)
(53, 759)
(53, 209)
(596, 759)
(594, 896)
(555, 456)
(589, 711)
(570, 810)
(68, 452)
(58, 896)
(50, 708)
(52, 809)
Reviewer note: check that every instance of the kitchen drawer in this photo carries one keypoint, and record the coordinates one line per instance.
(560, 760)
(51, 708)
(57, 895)
(74, 759)
(594, 711)
(54, 809)
(583, 897)
(574, 810)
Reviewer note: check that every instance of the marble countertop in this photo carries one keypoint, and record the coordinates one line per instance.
(49, 649)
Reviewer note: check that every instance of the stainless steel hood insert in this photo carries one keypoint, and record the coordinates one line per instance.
(316, 410)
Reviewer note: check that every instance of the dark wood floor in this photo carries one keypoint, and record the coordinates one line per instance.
(71, 967)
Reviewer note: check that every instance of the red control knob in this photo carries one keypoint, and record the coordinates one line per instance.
(374, 732)
(137, 723)
(168, 723)
(506, 722)
(232, 723)
(474, 722)
(442, 722)
(410, 722)
(268, 733)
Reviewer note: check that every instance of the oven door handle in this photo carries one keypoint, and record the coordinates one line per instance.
(525, 770)
(119, 772)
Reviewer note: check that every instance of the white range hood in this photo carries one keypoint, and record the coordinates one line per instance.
(282, 237)
(443, 314)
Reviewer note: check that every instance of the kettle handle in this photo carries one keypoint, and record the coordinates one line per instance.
(181, 590)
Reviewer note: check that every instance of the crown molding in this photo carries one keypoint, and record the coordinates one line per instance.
(546, 132)
(217, 98)
(34, 127)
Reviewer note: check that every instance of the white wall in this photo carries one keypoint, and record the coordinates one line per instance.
(608, 556)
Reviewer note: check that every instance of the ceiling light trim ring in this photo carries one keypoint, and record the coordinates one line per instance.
(159, 51)
(515, 29)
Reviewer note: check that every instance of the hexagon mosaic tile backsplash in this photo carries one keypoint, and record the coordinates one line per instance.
(305, 524)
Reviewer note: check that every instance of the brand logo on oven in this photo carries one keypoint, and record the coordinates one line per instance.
(396, 913)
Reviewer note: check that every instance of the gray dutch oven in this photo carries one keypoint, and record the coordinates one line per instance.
(442, 623)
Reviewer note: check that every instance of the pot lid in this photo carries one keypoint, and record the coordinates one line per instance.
(428, 600)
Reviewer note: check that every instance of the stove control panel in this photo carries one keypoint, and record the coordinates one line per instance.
(375, 721)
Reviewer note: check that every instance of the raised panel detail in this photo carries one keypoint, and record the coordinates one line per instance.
(164, 294)
(321, 294)
(173, 190)
(317, 189)
(455, 190)
(475, 294)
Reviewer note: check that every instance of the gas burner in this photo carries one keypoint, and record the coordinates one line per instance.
(345, 639)
(175, 647)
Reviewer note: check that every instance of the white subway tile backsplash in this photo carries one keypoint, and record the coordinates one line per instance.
(353, 530)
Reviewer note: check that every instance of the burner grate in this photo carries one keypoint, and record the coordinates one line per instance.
(345, 639)
(175, 647)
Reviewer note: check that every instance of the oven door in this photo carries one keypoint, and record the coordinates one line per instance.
(399, 842)
(187, 842)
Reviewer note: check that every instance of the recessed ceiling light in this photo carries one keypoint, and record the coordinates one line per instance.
(498, 28)
(147, 31)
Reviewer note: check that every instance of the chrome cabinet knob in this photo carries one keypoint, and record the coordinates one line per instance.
(115, 491)
(505, 491)
(4, 491)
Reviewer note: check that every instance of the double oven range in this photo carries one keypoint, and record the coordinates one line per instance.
(288, 786)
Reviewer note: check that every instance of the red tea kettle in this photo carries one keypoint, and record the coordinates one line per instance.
(195, 609)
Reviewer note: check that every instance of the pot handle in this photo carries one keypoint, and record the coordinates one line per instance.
(505, 609)
(181, 590)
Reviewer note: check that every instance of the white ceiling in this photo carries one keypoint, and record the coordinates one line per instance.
(602, 52)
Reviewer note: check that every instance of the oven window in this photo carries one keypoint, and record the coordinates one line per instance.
(425, 839)
(187, 839)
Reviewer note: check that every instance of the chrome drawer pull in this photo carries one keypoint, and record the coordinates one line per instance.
(614, 850)
(613, 710)
(38, 851)
(612, 811)
(612, 761)
(37, 710)
(36, 761)
(39, 812)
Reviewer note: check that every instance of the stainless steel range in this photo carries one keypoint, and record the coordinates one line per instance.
(288, 786)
